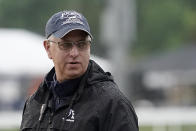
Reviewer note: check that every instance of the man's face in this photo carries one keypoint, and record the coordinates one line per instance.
(72, 63)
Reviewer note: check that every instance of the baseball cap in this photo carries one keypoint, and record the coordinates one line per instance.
(63, 22)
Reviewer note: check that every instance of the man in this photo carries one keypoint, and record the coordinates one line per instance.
(76, 95)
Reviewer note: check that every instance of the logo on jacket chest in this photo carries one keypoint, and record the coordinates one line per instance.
(71, 116)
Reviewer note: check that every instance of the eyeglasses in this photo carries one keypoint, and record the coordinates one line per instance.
(81, 45)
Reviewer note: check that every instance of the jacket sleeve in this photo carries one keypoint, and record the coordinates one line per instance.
(24, 110)
(23, 119)
(120, 117)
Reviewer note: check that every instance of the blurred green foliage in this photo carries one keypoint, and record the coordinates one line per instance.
(161, 24)
(164, 25)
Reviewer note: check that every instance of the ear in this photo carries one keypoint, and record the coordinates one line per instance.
(47, 48)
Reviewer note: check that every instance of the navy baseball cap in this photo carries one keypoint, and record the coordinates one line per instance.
(63, 22)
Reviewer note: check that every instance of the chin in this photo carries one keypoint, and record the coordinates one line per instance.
(75, 74)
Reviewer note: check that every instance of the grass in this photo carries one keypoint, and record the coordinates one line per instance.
(168, 128)
(150, 128)
(9, 129)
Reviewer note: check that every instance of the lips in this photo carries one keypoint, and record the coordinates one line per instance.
(74, 62)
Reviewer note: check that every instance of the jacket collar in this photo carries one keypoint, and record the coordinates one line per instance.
(95, 75)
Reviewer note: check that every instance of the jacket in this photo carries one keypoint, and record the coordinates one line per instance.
(97, 105)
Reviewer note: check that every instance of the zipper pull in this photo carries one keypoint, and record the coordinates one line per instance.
(42, 110)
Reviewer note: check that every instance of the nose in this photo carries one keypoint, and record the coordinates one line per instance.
(74, 51)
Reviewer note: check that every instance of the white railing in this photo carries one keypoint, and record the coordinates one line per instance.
(166, 119)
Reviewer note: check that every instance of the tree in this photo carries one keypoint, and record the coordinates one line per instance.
(164, 25)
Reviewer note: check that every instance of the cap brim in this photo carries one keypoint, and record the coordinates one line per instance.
(64, 31)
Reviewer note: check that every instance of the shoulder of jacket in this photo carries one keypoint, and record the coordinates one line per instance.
(107, 91)
(32, 97)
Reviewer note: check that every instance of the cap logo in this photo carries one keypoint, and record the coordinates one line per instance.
(71, 17)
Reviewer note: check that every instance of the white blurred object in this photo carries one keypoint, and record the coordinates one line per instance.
(103, 63)
(22, 52)
(10, 91)
(166, 118)
(10, 119)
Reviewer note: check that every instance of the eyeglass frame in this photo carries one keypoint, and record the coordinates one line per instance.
(88, 42)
